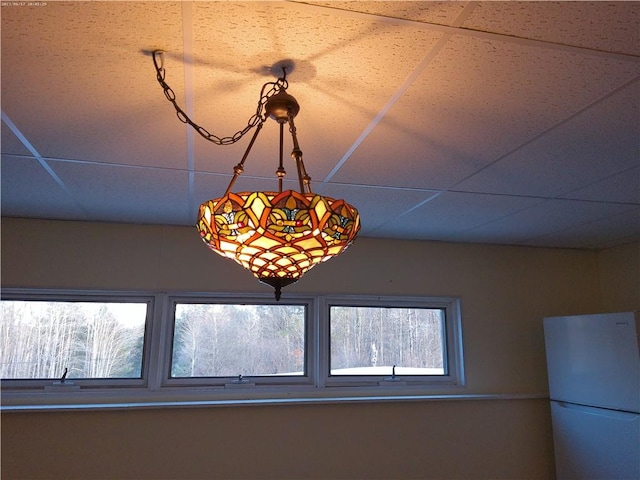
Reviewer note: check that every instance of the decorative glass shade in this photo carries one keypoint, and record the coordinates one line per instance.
(278, 236)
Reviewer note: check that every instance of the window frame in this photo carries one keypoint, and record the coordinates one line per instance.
(85, 296)
(308, 377)
(453, 356)
(156, 387)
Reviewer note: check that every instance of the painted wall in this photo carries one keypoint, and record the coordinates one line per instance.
(443, 440)
(620, 278)
(505, 292)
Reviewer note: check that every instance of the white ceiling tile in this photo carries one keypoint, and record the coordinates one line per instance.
(87, 80)
(246, 39)
(323, 48)
(443, 13)
(585, 149)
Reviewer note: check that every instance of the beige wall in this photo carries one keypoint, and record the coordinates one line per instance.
(505, 292)
(443, 440)
(620, 278)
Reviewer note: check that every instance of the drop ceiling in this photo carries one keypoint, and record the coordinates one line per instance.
(492, 122)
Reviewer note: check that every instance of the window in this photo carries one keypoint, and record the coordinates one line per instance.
(217, 341)
(387, 341)
(130, 347)
(87, 339)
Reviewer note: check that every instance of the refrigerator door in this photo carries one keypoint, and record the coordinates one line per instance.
(594, 360)
(594, 443)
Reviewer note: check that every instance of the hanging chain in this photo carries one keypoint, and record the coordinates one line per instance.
(269, 89)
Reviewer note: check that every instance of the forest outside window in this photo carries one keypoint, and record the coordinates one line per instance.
(394, 341)
(226, 343)
(84, 340)
(387, 341)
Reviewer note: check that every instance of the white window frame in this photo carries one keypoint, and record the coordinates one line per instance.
(453, 356)
(156, 387)
(308, 378)
(88, 296)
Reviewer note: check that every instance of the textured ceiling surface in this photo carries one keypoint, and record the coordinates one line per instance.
(494, 122)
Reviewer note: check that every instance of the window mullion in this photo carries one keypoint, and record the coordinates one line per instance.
(320, 343)
(158, 345)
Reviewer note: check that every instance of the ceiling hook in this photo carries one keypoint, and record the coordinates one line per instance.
(158, 54)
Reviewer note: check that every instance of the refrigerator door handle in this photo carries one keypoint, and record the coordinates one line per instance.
(601, 412)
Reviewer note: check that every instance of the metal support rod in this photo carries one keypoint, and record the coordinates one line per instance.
(304, 179)
(239, 168)
(281, 172)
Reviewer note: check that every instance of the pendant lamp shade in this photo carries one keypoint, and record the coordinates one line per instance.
(278, 236)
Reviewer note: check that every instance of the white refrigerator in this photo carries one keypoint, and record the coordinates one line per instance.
(594, 386)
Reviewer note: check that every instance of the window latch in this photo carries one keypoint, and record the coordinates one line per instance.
(392, 380)
(239, 382)
(62, 385)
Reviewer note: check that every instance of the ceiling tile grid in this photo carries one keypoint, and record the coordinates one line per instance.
(11, 144)
(377, 206)
(499, 122)
(444, 13)
(478, 101)
(323, 48)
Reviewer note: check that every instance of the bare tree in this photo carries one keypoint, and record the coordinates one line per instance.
(409, 337)
(42, 339)
(220, 340)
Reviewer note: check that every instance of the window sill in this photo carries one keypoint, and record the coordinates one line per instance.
(91, 400)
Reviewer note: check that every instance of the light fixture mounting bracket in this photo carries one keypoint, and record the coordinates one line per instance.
(281, 106)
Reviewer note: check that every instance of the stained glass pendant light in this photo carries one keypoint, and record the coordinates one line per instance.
(276, 235)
